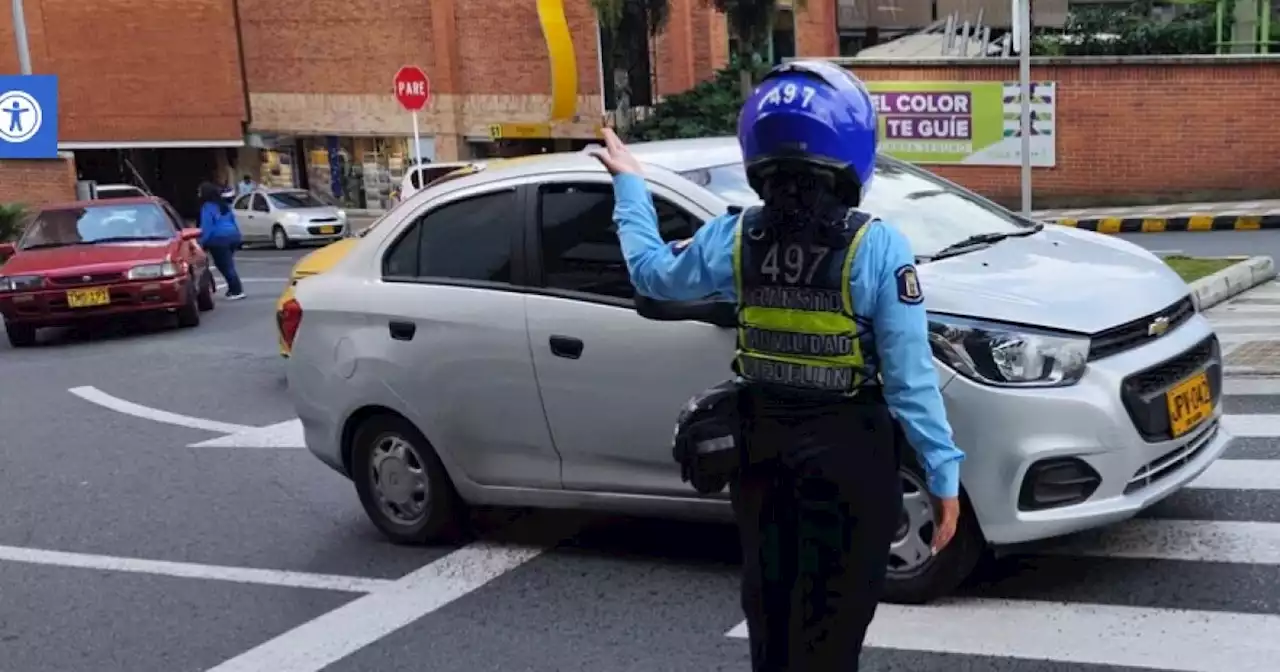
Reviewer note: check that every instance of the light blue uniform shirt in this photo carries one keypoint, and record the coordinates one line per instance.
(704, 268)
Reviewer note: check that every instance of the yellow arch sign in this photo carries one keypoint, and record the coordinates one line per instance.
(564, 63)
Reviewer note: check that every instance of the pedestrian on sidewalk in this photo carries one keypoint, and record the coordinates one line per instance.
(220, 236)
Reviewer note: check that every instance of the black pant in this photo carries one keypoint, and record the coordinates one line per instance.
(817, 501)
(224, 258)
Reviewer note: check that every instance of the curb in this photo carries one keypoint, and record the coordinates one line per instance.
(1233, 280)
(1180, 223)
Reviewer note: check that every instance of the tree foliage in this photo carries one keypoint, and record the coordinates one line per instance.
(11, 219)
(751, 22)
(708, 109)
(1132, 31)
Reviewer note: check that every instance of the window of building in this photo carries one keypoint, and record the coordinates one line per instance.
(579, 241)
(463, 240)
(628, 49)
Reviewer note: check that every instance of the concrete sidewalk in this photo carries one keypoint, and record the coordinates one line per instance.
(1233, 216)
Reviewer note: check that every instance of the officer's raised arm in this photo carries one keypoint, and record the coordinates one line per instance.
(686, 270)
(906, 362)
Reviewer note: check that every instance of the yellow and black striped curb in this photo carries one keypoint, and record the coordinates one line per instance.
(1180, 223)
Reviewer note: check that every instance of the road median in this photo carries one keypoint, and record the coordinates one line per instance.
(1216, 279)
(1234, 216)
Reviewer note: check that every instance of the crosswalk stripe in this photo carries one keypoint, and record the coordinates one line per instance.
(1169, 639)
(1252, 425)
(1239, 475)
(1235, 542)
(1242, 387)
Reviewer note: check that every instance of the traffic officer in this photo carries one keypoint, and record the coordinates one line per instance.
(833, 362)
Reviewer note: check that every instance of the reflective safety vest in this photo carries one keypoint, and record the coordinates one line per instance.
(796, 321)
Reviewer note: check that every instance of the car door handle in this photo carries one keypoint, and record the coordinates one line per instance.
(566, 346)
(402, 331)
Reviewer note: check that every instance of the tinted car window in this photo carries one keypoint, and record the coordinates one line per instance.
(580, 249)
(462, 240)
(242, 203)
(260, 203)
(929, 212)
(286, 200)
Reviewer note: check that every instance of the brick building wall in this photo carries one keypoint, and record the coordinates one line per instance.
(132, 70)
(1134, 129)
(36, 183)
(325, 66)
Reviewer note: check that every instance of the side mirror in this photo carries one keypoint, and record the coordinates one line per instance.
(735, 209)
(191, 234)
(716, 313)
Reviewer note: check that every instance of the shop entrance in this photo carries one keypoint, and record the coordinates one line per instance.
(172, 174)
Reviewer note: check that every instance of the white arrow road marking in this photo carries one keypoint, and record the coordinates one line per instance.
(286, 434)
(281, 435)
(95, 396)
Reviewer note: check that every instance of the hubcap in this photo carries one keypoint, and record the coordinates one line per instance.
(910, 552)
(399, 480)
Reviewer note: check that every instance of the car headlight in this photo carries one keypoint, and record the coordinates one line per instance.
(342, 215)
(18, 283)
(153, 271)
(1006, 355)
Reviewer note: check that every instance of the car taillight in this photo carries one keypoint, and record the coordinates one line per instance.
(289, 318)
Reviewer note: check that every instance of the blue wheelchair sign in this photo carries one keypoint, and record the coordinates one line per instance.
(28, 117)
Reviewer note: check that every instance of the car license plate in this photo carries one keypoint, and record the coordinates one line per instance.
(87, 298)
(1190, 402)
(327, 229)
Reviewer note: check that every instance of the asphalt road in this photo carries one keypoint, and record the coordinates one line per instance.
(1211, 243)
(125, 548)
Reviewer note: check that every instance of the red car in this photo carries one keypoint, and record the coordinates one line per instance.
(102, 259)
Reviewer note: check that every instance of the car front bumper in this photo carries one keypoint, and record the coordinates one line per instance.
(308, 232)
(1005, 431)
(48, 307)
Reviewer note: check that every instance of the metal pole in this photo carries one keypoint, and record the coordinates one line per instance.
(417, 144)
(1024, 76)
(20, 38)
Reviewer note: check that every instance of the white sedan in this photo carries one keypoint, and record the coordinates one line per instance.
(482, 345)
(284, 217)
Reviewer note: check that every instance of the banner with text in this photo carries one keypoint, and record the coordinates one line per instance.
(973, 123)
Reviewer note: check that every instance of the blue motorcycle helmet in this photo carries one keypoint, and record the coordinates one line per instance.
(810, 116)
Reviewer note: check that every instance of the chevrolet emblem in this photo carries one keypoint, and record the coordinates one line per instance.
(1158, 326)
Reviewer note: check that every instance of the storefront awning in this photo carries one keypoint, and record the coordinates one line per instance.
(150, 144)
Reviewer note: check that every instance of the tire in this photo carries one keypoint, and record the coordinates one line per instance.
(189, 313)
(20, 335)
(939, 575)
(438, 516)
(205, 300)
(280, 239)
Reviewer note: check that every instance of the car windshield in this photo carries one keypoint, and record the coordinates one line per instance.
(119, 192)
(97, 224)
(288, 200)
(931, 213)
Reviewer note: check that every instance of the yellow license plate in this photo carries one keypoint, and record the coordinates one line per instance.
(1190, 402)
(86, 298)
(327, 229)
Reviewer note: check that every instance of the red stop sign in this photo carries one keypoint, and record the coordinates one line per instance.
(412, 88)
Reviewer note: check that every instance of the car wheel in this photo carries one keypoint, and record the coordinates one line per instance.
(204, 300)
(189, 313)
(279, 238)
(402, 485)
(915, 575)
(20, 335)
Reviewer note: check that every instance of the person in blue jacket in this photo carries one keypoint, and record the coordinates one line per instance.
(220, 236)
(833, 362)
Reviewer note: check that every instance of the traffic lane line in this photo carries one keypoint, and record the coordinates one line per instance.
(316, 644)
(188, 570)
(1235, 542)
(1169, 639)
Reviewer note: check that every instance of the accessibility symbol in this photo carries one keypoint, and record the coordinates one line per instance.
(28, 117)
(20, 116)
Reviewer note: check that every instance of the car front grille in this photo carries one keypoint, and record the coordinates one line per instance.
(1134, 334)
(85, 279)
(1169, 463)
(1143, 393)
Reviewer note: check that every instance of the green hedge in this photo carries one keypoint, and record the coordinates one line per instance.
(11, 219)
